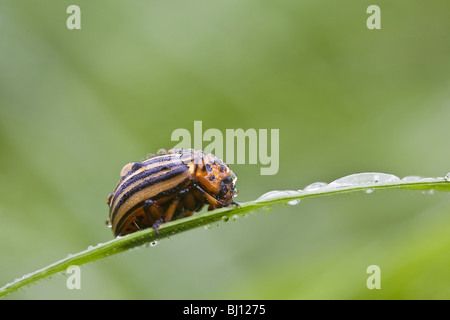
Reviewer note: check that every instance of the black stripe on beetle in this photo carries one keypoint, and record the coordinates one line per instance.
(166, 193)
(148, 181)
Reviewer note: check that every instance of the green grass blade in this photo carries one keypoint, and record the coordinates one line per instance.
(365, 182)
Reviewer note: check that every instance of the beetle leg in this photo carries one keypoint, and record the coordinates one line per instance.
(171, 209)
(152, 210)
(190, 203)
(213, 202)
(154, 213)
(156, 225)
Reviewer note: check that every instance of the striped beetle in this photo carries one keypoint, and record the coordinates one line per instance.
(168, 186)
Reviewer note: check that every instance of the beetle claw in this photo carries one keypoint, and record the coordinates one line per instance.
(156, 226)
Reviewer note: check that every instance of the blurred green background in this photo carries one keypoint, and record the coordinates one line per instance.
(76, 105)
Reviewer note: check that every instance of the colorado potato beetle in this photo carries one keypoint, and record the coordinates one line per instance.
(168, 186)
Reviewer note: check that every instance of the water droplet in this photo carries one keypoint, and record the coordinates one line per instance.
(161, 152)
(225, 218)
(369, 190)
(268, 195)
(153, 243)
(411, 178)
(315, 186)
(361, 179)
(234, 217)
(278, 194)
(447, 176)
(293, 202)
(429, 179)
(207, 227)
(267, 208)
(108, 223)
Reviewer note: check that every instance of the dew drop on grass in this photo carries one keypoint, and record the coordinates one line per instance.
(225, 218)
(153, 243)
(315, 186)
(361, 179)
(293, 202)
(278, 194)
(447, 176)
(411, 178)
(268, 195)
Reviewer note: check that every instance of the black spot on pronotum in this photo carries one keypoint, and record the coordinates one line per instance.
(208, 167)
(227, 180)
(212, 178)
(223, 190)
